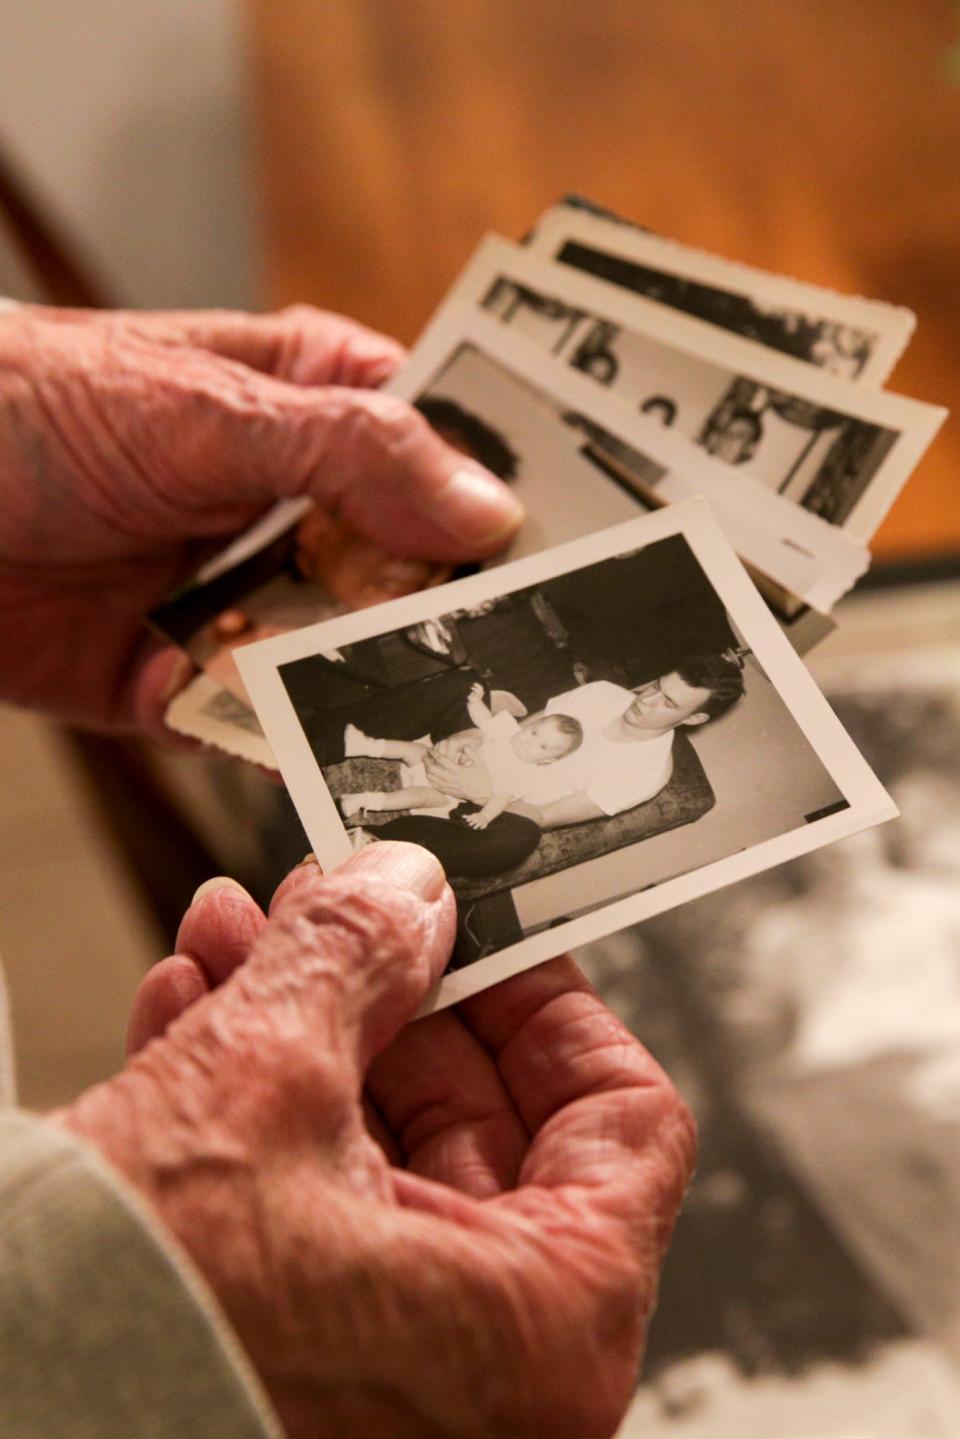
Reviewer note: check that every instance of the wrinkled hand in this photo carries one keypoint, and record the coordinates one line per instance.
(127, 438)
(450, 775)
(477, 1252)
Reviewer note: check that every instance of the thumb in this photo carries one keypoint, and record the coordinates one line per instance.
(245, 438)
(377, 460)
(214, 938)
(344, 961)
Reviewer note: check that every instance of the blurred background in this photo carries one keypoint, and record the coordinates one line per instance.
(352, 153)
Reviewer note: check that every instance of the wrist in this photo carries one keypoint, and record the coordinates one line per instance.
(113, 1119)
(194, 1181)
(99, 1299)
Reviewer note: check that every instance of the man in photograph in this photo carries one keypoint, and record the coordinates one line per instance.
(640, 647)
(626, 755)
(625, 759)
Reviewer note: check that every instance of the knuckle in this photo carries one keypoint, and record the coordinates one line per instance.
(656, 1116)
(358, 923)
(269, 1071)
(390, 421)
(297, 1084)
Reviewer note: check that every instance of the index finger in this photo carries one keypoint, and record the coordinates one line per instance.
(606, 1119)
(300, 344)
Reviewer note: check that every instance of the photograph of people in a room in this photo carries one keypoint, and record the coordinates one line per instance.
(846, 335)
(822, 442)
(587, 459)
(578, 461)
(605, 730)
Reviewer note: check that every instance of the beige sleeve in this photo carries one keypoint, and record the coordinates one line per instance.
(106, 1330)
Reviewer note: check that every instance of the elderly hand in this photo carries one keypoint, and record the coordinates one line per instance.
(447, 1227)
(127, 438)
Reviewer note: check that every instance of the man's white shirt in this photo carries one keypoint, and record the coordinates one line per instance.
(613, 774)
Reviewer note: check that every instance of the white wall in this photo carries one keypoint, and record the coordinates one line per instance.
(129, 117)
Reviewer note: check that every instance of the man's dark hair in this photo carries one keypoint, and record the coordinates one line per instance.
(719, 674)
(570, 727)
(484, 442)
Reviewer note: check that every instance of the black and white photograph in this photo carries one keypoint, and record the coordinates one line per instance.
(579, 458)
(206, 710)
(584, 738)
(478, 384)
(812, 1017)
(840, 450)
(479, 720)
(853, 338)
(547, 411)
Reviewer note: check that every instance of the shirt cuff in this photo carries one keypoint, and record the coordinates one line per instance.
(106, 1328)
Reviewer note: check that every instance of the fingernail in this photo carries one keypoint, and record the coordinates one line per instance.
(309, 858)
(408, 866)
(219, 881)
(477, 509)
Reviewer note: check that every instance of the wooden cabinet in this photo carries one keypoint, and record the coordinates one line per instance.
(818, 139)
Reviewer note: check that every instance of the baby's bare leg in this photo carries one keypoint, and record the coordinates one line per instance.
(416, 797)
(378, 801)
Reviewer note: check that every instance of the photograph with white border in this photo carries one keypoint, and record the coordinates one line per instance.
(208, 711)
(827, 445)
(846, 335)
(645, 642)
(479, 385)
(545, 409)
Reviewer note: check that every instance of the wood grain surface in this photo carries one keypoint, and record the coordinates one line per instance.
(821, 139)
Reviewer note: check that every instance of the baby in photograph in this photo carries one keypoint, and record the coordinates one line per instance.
(515, 753)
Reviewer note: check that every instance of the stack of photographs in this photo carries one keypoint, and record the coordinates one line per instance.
(610, 718)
